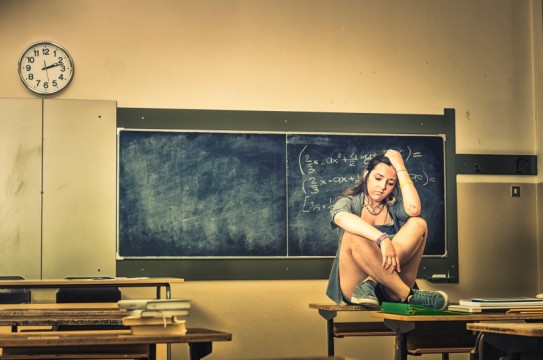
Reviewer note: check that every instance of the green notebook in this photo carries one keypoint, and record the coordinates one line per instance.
(409, 309)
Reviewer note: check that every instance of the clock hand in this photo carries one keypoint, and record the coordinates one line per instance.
(50, 66)
(45, 67)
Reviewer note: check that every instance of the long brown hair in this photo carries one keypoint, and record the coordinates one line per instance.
(361, 185)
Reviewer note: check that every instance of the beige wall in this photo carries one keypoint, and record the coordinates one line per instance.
(481, 57)
(301, 55)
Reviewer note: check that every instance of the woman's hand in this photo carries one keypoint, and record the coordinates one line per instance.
(395, 159)
(390, 259)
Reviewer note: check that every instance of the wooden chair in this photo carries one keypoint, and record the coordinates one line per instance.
(87, 294)
(96, 294)
(14, 296)
(99, 294)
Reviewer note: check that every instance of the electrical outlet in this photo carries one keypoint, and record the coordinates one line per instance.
(515, 191)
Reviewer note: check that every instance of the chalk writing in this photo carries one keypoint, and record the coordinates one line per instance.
(314, 181)
(326, 166)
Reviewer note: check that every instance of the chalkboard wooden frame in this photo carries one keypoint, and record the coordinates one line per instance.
(442, 268)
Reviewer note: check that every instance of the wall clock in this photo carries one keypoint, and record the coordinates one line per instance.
(46, 68)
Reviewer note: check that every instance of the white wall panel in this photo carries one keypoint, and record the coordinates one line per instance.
(79, 172)
(20, 187)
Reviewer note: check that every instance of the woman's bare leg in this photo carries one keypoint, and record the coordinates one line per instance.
(409, 243)
(361, 258)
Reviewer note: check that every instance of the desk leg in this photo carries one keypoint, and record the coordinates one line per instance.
(168, 296)
(401, 342)
(329, 316)
(330, 335)
(401, 328)
(152, 352)
(168, 289)
(199, 350)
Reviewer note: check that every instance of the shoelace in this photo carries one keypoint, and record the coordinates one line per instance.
(423, 298)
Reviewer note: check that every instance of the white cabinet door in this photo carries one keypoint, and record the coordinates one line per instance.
(20, 187)
(79, 182)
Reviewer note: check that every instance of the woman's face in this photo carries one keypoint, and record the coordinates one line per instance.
(381, 182)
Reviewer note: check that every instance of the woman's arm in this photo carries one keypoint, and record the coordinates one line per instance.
(356, 225)
(410, 196)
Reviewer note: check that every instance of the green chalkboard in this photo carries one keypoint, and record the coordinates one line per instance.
(186, 194)
(201, 194)
(247, 194)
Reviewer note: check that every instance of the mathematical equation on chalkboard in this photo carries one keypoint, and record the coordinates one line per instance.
(322, 167)
(314, 180)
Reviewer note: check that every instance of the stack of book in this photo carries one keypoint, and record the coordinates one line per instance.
(412, 310)
(159, 316)
(517, 304)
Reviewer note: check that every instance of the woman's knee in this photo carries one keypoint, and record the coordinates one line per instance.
(349, 238)
(418, 223)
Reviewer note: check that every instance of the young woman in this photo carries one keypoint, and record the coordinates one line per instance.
(381, 239)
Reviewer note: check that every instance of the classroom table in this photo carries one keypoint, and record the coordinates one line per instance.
(513, 338)
(103, 344)
(448, 332)
(86, 282)
(159, 283)
(15, 315)
(199, 340)
(336, 329)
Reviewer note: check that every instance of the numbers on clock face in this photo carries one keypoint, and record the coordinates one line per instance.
(46, 68)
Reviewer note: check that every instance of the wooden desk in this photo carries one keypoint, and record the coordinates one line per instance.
(520, 329)
(61, 314)
(102, 343)
(159, 283)
(513, 338)
(344, 329)
(445, 331)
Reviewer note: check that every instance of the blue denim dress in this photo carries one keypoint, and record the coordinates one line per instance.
(354, 204)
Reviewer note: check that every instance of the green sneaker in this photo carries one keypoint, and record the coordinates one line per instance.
(437, 300)
(364, 295)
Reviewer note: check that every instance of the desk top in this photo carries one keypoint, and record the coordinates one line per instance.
(119, 282)
(522, 329)
(59, 306)
(61, 314)
(106, 337)
(334, 307)
(461, 317)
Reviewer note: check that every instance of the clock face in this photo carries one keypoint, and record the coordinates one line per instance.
(46, 68)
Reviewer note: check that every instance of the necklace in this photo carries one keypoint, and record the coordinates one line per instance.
(374, 210)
